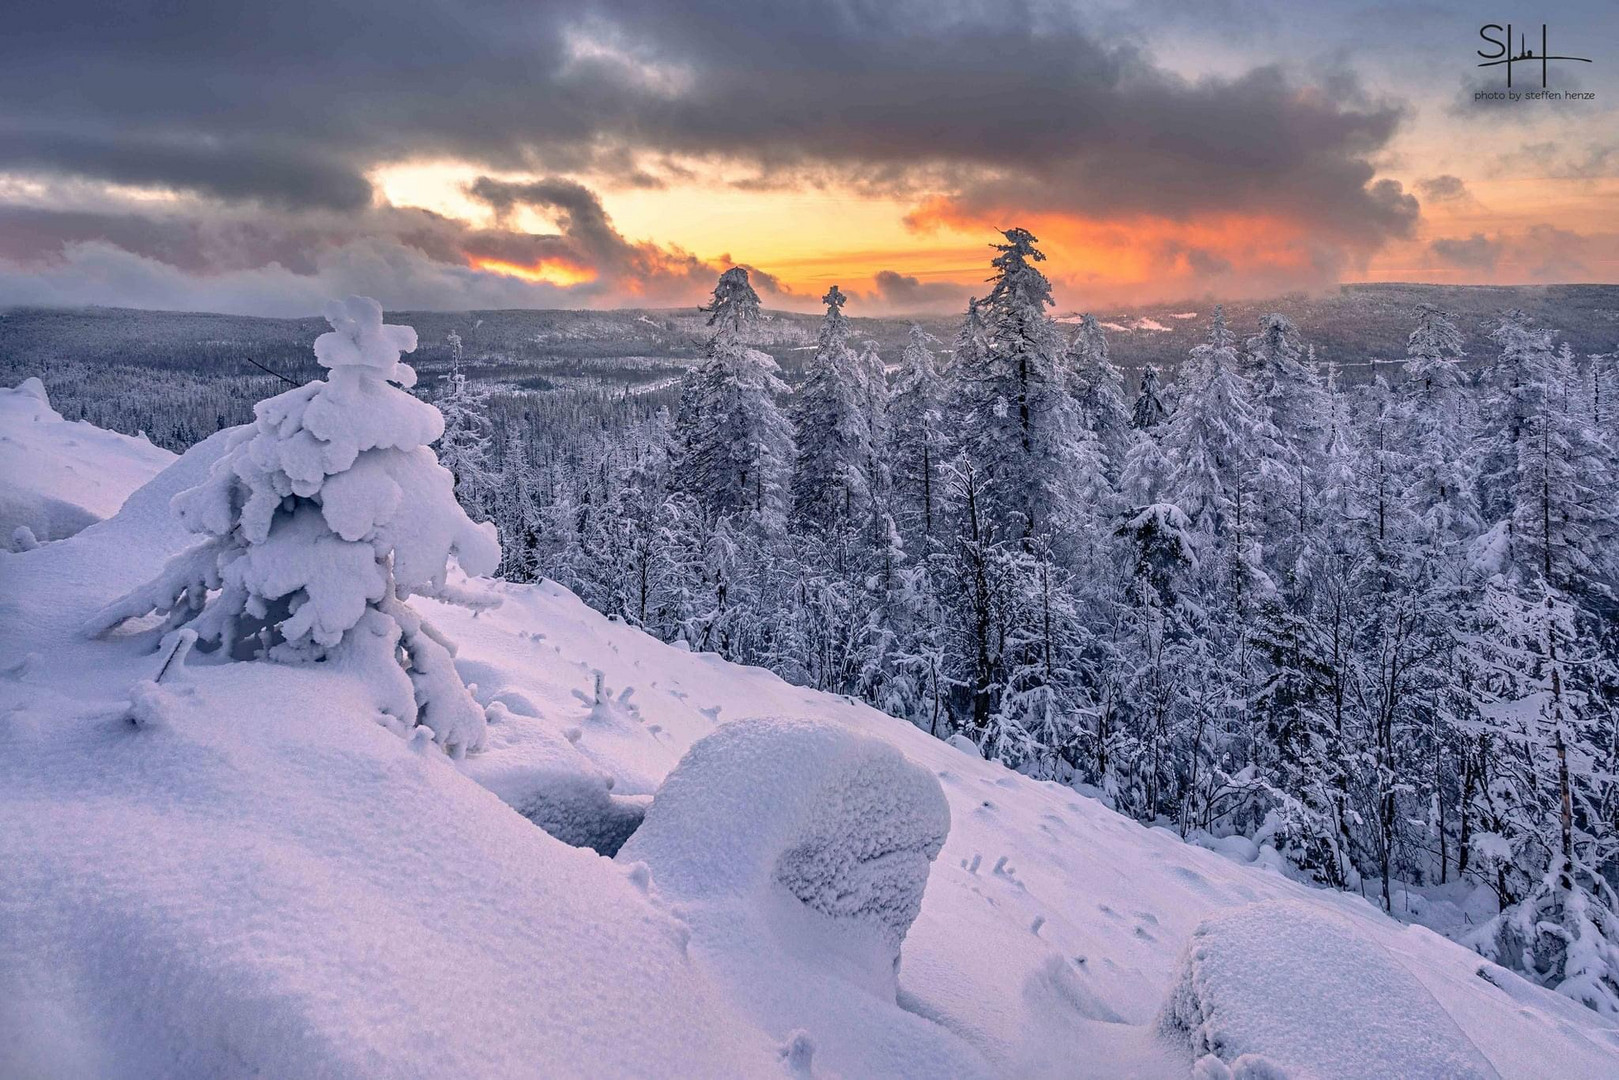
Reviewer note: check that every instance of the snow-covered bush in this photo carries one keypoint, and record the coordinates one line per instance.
(319, 520)
(843, 822)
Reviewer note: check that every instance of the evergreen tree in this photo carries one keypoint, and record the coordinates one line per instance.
(918, 444)
(832, 481)
(320, 520)
(1149, 410)
(1021, 426)
(736, 445)
(1098, 387)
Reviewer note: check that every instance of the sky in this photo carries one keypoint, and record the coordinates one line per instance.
(453, 154)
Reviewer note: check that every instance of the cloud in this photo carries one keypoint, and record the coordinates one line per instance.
(1443, 188)
(101, 273)
(1541, 253)
(1475, 252)
(182, 256)
(587, 239)
(902, 293)
(994, 111)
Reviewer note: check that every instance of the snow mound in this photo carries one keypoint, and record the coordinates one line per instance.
(57, 477)
(1314, 998)
(842, 821)
(797, 852)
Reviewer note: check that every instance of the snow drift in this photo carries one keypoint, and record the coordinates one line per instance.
(58, 477)
(798, 851)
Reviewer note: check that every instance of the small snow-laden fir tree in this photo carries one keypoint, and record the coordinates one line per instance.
(319, 521)
(1150, 409)
(832, 480)
(735, 443)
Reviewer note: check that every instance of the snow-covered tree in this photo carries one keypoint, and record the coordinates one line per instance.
(832, 480)
(918, 443)
(319, 521)
(1098, 387)
(464, 448)
(1021, 426)
(1149, 410)
(737, 450)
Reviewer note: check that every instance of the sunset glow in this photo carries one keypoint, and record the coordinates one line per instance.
(546, 273)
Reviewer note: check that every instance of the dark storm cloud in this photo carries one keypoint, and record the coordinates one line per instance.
(587, 237)
(216, 97)
(282, 109)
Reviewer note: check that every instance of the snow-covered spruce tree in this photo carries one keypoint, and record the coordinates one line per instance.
(1223, 450)
(1287, 392)
(464, 447)
(918, 443)
(832, 482)
(1098, 387)
(1149, 410)
(319, 521)
(517, 514)
(736, 445)
(1505, 391)
(1021, 427)
(1439, 431)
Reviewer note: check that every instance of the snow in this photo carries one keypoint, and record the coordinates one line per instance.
(232, 867)
(57, 477)
(1313, 997)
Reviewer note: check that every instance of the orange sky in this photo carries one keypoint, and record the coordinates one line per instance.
(811, 238)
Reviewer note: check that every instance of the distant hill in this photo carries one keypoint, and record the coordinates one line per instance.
(179, 376)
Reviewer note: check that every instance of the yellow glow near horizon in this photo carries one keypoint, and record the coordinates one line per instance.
(541, 273)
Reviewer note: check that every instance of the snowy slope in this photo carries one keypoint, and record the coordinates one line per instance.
(268, 880)
(57, 477)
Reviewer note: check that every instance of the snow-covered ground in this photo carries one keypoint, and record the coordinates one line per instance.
(264, 879)
(56, 477)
